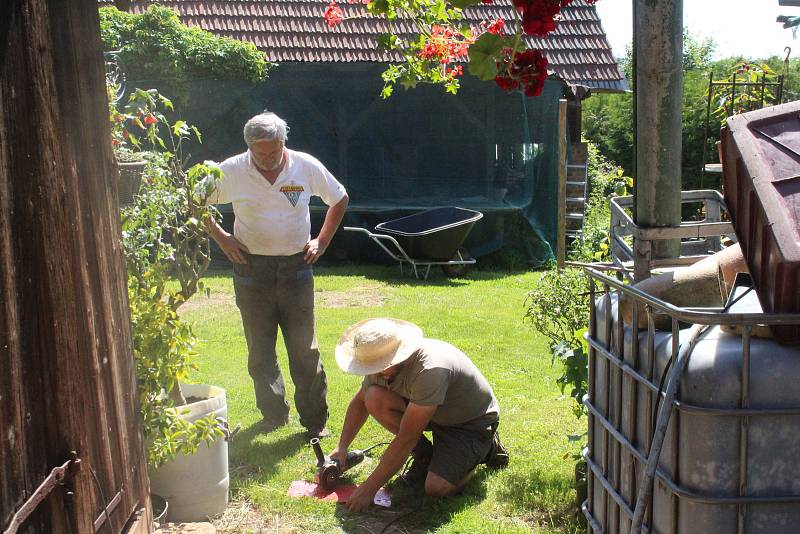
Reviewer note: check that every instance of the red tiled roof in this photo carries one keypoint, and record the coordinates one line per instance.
(295, 31)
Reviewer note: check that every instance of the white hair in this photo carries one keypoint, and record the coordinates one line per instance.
(265, 127)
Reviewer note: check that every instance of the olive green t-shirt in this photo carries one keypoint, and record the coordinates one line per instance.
(439, 374)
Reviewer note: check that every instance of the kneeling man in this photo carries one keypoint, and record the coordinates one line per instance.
(412, 384)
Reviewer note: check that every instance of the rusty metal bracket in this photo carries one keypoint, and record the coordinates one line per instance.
(54, 479)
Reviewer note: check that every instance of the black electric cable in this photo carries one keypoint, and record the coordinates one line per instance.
(411, 512)
(365, 451)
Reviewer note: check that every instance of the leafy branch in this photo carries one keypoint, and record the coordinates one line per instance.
(442, 41)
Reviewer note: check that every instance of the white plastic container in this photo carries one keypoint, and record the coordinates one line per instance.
(196, 486)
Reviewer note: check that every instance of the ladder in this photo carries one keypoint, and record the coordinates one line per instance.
(577, 191)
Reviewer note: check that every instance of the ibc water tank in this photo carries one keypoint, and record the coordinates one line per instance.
(730, 458)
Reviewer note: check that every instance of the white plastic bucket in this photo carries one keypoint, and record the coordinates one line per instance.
(196, 486)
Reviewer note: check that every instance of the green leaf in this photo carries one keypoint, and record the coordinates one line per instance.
(387, 41)
(179, 127)
(408, 82)
(483, 56)
(463, 4)
(378, 7)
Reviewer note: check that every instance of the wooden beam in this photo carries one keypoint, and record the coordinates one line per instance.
(561, 236)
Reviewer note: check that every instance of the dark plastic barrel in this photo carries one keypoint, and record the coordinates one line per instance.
(433, 235)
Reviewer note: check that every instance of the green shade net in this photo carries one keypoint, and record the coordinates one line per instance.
(482, 149)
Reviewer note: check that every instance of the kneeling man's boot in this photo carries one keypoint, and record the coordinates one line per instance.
(497, 457)
(421, 456)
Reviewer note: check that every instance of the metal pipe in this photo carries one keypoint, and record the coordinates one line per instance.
(607, 437)
(658, 45)
(318, 451)
(676, 432)
(592, 388)
(743, 425)
(664, 413)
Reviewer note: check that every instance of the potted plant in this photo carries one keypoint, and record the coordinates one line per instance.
(166, 251)
(127, 149)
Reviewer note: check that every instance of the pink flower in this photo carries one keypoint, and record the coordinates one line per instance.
(333, 14)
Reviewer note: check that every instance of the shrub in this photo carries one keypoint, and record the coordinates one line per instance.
(157, 46)
(166, 250)
(559, 309)
(606, 180)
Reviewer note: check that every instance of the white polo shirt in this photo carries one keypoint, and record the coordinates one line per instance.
(273, 219)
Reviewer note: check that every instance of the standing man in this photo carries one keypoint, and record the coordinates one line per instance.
(272, 252)
(412, 384)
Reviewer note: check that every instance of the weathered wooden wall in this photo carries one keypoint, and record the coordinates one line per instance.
(66, 371)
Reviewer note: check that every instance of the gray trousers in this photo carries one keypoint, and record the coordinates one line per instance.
(274, 291)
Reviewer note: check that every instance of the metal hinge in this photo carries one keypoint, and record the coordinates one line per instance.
(54, 479)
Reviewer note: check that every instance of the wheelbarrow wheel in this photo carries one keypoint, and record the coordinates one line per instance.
(457, 271)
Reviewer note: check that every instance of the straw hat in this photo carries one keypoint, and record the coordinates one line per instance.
(373, 345)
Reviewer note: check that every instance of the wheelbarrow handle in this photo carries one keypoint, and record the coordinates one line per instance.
(379, 238)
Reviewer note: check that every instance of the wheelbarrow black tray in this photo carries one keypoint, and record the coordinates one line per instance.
(433, 234)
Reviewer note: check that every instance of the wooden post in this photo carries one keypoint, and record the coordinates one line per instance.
(68, 381)
(561, 244)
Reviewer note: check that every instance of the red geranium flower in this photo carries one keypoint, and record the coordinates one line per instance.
(528, 71)
(150, 119)
(496, 26)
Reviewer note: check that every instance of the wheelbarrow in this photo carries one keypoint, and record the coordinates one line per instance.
(432, 237)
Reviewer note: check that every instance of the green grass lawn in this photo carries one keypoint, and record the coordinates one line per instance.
(482, 315)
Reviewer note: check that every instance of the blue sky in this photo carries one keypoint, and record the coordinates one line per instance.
(740, 27)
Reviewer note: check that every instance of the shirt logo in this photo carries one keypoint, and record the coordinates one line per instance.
(292, 193)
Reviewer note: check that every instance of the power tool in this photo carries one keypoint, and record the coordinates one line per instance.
(329, 471)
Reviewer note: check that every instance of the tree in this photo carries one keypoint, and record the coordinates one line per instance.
(65, 343)
(608, 119)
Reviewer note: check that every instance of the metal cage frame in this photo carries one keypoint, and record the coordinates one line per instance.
(638, 508)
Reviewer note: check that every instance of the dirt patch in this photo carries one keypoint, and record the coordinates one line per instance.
(242, 517)
(367, 296)
(375, 525)
(216, 301)
(371, 296)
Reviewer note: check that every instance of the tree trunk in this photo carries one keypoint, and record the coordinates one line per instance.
(67, 382)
